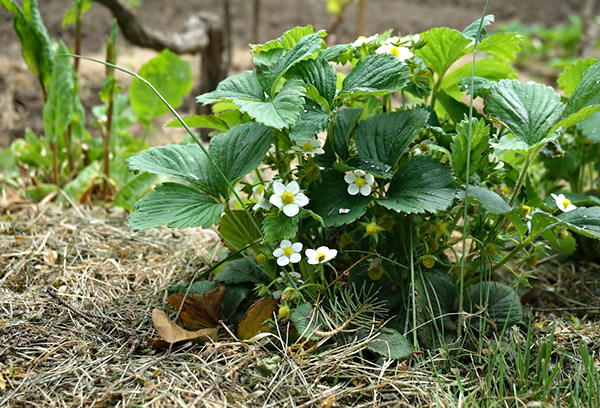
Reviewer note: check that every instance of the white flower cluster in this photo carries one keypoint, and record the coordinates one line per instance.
(289, 252)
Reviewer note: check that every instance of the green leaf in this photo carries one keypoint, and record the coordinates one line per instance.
(435, 299)
(35, 43)
(176, 205)
(58, 110)
(238, 231)
(455, 109)
(311, 122)
(576, 117)
(479, 146)
(170, 75)
(502, 45)
(200, 121)
(389, 344)
(241, 86)
(529, 110)
(305, 320)
(240, 150)
(584, 221)
(481, 86)
(84, 181)
(379, 74)
(197, 288)
(421, 185)
(331, 196)
(79, 7)
(501, 303)
(270, 69)
(133, 189)
(471, 30)
(318, 73)
(184, 161)
(287, 40)
(491, 201)
(590, 128)
(443, 47)
(241, 271)
(343, 129)
(572, 74)
(383, 138)
(492, 69)
(283, 111)
(278, 226)
(39, 192)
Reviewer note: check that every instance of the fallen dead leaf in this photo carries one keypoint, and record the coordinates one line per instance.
(199, 311)
(253, 322)
(171, 333)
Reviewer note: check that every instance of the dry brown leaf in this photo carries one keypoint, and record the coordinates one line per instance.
(172, 333)
(253, 322)
(50, 257)
(328, 402)
(199, 311)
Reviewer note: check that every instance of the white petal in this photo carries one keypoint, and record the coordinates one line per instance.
(311, 253)
(295, 275)
(283, 261)
(571, 207)
(295, 258)
(313, 261)
(285, 243)
(365, 190)
(315, 143)
(297, 246)
(353, 189)
(297, 148)
(301, 200)
(276, 200)
(350, 178)
(318, 150)
(322, 249)
(555, 197)
(278, 252)
(291, 209)
(359, 173)
(293, 187)
(278, 187)
(370, 179)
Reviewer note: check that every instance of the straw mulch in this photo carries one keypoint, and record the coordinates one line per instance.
(77, 289)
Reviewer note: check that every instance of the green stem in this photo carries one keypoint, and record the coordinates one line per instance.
(412, 284)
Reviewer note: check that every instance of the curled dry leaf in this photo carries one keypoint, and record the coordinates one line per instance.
(199, 311)
(254, 321)
(172, 333)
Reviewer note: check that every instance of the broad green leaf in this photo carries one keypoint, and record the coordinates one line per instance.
(481, 86)
(565, 245)
(383, 138)
(200, 121)
(311, 122)
(35, 43)
(500, 302)
(281, 112)
(39, 192)
(241, 271)
(287, 40)
(184, 161)
(343, 129)
(318, 73)
(577, 117)
(176, 205)
(435, 299)
(491, 201)
(379, 74)
(372, 166)
(390, 344)
(330, 199)
(572, 74)
(240, 150)
(269, 70)
(471, 30)
(81, 184)
(492, 69)
(234, 296)
(421, 185)
(455, 109)
(305, 321)
(584, 221)
(170, 75)
(238, 231)
(529, 110)
(58, 110)
(135, 187)
(79, 7)
(278, 226)
(196, 288)
(479, 146)
(502, 45)
(33, 151)
(590, 127)
(443, 46)
(241, 86)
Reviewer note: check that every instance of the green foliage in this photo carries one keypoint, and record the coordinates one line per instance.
(58, 110)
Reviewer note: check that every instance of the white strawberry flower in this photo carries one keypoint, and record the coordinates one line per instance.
(320, 255)
(401, 53)
(263, 202)
(312, 146)
(563, 203)
(289, 198)
(288, 252)
(363, 40)
(359, 181)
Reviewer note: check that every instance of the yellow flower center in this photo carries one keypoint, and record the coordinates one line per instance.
(260, 258)
(288, 198)
(566, 202)
(287, 251)
(361, 37)
(371, 229)
(360, 181)
(307, 147)
(321, 257)
(395, 52)
(526, 210)
(261, 188)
